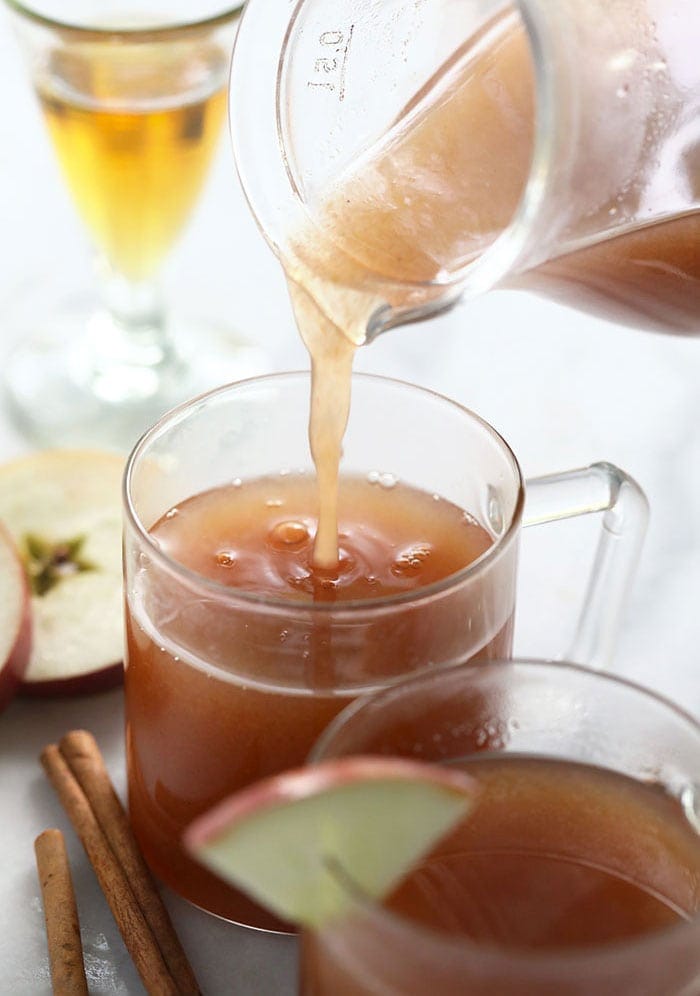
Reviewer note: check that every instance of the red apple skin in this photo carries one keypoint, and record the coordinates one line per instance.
(332, 773)
(88, 482)
(13, 668)
(12, 671)
(89, 683)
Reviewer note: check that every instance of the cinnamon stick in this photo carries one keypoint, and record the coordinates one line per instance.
(61, 915)
(80, 750)
(134, 928)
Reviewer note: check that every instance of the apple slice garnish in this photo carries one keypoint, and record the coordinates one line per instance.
(63, 511)
(15, 619)
(305, 842)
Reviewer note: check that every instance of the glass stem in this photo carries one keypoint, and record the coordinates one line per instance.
(136, 311)
(130, 348)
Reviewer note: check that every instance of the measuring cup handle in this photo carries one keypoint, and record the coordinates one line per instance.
(602, 487)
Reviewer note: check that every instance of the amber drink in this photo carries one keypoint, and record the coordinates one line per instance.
(135, 138)
(242, 646)
(578, 871)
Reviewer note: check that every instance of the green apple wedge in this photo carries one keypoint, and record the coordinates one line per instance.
(305, 842)
(62, 508)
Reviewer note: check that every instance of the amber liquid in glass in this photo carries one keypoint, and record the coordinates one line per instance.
(135, 135)
(198, 730)
(555, 856)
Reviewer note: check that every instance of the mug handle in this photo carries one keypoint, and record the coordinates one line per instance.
(602, 487)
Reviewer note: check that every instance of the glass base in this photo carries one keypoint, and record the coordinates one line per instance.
(85, 382)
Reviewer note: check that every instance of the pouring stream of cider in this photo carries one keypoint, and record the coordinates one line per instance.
(420, 205)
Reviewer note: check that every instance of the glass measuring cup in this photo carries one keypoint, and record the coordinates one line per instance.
(413, 153)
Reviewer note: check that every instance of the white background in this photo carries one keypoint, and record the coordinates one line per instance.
(564, 389)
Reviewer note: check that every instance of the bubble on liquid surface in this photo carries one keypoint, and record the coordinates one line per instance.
(288, 535)
(237, 482)
(383, 479)
(226, 558)
(410, 561)
(172, 513)
(274, 503)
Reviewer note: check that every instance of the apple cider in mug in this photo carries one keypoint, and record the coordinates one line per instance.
(198, 732)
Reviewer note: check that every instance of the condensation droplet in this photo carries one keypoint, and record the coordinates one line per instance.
(495, 512)
(283, 635)
(690, 801)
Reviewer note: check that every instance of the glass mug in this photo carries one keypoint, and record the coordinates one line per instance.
(224, 687)
(419, 152)
(567, 824)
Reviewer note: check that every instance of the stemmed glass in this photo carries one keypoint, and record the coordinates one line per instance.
(134, 100)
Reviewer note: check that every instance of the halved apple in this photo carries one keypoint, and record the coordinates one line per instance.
(63, 510)
(308, 843)
(15, 619)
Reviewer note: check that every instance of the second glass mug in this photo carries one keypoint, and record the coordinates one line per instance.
(225, 687)
(494, 909)
(418, 152)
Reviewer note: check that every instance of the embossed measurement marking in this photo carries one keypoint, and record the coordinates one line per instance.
(331, 66)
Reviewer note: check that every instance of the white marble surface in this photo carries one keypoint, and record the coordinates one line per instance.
(564, 389)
